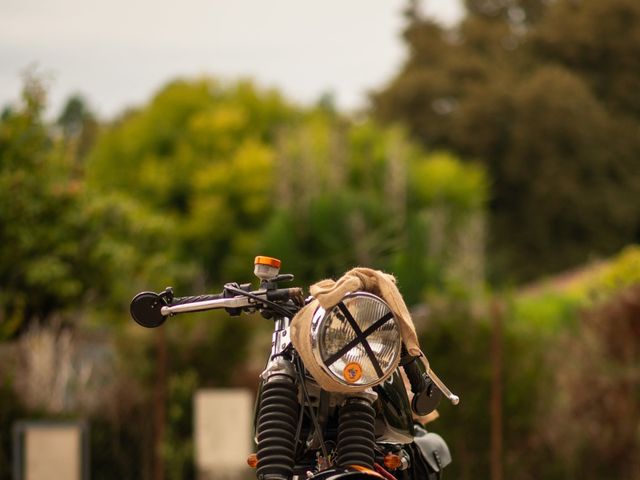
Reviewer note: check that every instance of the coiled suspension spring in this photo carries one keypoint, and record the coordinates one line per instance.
(356, 436)
(276, 430)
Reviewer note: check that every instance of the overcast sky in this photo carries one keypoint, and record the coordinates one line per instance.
(118, 52)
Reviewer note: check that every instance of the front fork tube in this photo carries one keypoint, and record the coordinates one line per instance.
(278, 411)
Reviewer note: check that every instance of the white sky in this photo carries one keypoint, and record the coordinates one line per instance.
(118, 52)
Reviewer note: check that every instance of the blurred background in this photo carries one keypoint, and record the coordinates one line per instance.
(486, 152)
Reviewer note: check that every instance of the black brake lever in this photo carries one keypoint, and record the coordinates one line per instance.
(426, 395)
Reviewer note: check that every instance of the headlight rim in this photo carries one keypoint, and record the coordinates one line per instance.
(317, 321)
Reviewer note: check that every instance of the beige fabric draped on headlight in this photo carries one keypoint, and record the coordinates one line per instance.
(327, 293)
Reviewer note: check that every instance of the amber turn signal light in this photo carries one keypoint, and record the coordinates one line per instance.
(252, 460)
(272, 262)
(392, 461)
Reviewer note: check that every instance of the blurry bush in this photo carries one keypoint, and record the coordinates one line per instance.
(597, 375)
(570, 378)
(357, 194)
(596, 414)
(239, 171)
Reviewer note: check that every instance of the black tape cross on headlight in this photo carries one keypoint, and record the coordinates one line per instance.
(361, 338)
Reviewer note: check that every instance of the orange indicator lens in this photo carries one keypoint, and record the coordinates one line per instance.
(392, 461)
(252, 460)
(272, 262)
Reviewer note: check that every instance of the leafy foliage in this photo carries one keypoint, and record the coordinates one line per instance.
(61, 245)
(599, 422)
(540, 92)
(241, 172)
(198, 155)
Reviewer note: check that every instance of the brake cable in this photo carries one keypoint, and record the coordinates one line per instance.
(274, 306)
(314, 419)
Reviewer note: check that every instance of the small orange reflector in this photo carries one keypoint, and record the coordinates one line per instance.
(252, 460)
(272, 262)
(392, 461)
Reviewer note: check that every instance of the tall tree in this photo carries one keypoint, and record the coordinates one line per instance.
(59, 243)
(79, 126)
(38, 222)
(540, 92)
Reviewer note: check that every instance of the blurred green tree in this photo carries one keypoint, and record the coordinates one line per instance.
(540, 92)
(59, 245)
(239, 171)
(79, 126)
(39, 224)
(600, 43)
(200, 155)
(358, 194)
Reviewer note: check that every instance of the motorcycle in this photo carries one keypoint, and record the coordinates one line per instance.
(365, 427)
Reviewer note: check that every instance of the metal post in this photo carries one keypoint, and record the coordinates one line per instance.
(159, 404)
(497, 311)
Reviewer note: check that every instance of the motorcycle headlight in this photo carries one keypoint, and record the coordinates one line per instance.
(357, 342)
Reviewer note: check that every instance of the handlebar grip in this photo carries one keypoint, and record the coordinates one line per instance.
(196, 298)
(415, 377)
(284, 294)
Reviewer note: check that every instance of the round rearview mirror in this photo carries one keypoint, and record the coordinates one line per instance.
(146, 309)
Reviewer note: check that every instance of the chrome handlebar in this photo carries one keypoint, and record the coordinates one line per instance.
(233, 302)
